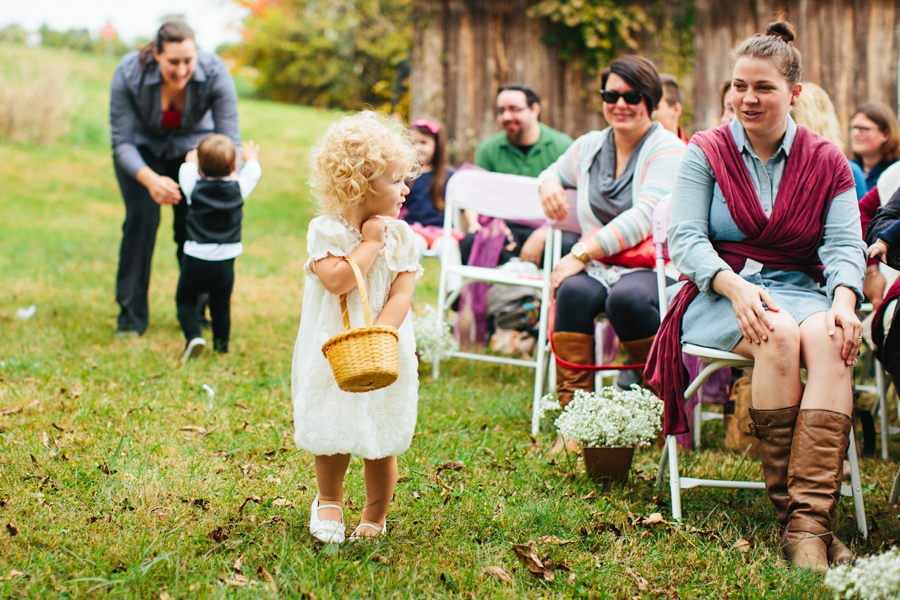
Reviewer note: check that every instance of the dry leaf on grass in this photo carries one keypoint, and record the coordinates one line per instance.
(282, 502)
(552, 539)
(638, 578)
(451, 465)
(194, 430)
(528, 556)
(11, 411)
(12, 530)
(272, 479)
(238, 564)
(380, 559)
(742, 546)
(237, 581)
(217, 535)
(498, 573)
(265, 576)
(255, 499)
(164, 596)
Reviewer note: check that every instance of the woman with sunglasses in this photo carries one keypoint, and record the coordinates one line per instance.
(765, 230)
(620, 173)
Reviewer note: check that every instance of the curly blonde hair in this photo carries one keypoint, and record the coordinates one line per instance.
(352, 152)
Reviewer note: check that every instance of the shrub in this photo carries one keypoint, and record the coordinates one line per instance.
(36, 104)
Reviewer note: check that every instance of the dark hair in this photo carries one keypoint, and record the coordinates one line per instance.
(171, 31)
(531, 96)
(671, 91)
(640, 74)
(724, 89)
(884, 118)
(438, 163)
(216, 155)
(777, 46)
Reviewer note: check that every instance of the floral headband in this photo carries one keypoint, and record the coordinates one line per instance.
(432, 127)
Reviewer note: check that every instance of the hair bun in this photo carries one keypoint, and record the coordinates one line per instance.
(781, 29)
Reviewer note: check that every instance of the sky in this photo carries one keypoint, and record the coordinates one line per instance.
(213, 21)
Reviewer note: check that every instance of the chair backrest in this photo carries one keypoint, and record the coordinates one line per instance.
(659, 222)
(495, 195)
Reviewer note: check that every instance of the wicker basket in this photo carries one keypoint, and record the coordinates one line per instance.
(365, 358)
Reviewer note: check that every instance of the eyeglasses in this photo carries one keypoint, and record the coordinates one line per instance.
(431, 127)
(861, 129)
(512, 109)
(611, 97)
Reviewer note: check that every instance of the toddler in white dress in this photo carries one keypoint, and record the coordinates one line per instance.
(360, 168)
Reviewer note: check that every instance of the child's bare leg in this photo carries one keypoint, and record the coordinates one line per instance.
(381, 479)
(330, 471)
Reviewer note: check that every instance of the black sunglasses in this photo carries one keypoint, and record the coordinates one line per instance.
(613, 97)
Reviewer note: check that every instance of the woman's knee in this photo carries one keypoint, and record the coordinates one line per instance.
(783, 339)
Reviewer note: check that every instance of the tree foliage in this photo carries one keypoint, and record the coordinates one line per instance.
(332, 53)
(593, 32)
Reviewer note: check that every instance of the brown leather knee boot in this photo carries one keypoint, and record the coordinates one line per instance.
(775, 430)
(638, 350)
(578, 349)
(820, 444)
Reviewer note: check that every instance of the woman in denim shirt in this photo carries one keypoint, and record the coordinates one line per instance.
(765, 227)
(165, 98)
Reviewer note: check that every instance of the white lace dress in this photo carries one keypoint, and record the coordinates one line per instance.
(328, 420)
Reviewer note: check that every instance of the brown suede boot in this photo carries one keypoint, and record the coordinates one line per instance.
(638, 350)
(775, 430)
(578, 349)
(814, 485)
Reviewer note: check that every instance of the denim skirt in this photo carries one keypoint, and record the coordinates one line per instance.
(710, 321)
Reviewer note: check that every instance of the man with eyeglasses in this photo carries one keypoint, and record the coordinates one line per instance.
(524, 147)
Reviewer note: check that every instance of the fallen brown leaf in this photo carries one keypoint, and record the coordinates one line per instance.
(255, 499)
(11, 411)
(164, 596)
(217, 535)
(528, 556)
(552, 539)
(591, 496)
(237, 581)
(12, 530)
(238, 564)
(265, 576)
(380, 559)
(638, 578)
(195, 430)
(451, 465)
(282, 502)
(604, 527)
(498, 573)
(742, 546)
(272, 479)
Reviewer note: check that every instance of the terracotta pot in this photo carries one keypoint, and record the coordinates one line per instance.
(606, 465)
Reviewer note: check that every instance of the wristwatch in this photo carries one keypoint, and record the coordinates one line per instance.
(580, 252)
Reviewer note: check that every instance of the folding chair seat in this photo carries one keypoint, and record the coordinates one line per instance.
(719, 359)
(508, 197)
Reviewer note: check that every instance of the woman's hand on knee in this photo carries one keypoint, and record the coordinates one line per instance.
(747, 301)
(565, 268)
(843, 315)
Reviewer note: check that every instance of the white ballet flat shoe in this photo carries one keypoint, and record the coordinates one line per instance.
(379, 531)
(330, 532)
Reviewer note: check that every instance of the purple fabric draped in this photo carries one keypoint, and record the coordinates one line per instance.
(814, 174)
(486, 249)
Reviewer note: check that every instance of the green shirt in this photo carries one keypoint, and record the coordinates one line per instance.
(499, 155)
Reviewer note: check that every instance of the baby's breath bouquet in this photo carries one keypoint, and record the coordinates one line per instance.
(434, 338)
(873, 578)
(609, 417)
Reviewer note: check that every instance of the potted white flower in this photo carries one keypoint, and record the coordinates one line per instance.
(872, 578)
(434, 337)
(609, 424)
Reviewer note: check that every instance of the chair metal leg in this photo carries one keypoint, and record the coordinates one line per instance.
(895, 489)
(674, 477)
(856, 488)
(663, 463)
(698, 420)
(881, 389)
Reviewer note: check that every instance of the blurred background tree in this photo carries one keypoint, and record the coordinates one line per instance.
(334, 53)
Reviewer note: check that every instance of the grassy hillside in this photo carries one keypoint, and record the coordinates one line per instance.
(121, 474)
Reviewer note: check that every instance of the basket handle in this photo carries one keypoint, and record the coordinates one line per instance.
(362, 294)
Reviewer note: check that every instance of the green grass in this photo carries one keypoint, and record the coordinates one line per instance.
(108, 495)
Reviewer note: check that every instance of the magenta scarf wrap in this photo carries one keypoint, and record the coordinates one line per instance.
(789, 239)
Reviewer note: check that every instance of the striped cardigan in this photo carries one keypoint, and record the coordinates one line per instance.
(654, 177)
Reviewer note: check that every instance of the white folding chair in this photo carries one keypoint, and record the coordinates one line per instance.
(880, 391)
(510, 197)
(719, 359)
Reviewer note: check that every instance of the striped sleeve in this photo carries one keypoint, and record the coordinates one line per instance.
(633, 226)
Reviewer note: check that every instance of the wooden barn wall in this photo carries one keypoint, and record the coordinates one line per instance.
(848, 47)
(464, 50)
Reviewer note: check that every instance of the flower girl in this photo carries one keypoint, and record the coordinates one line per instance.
(360, 168)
